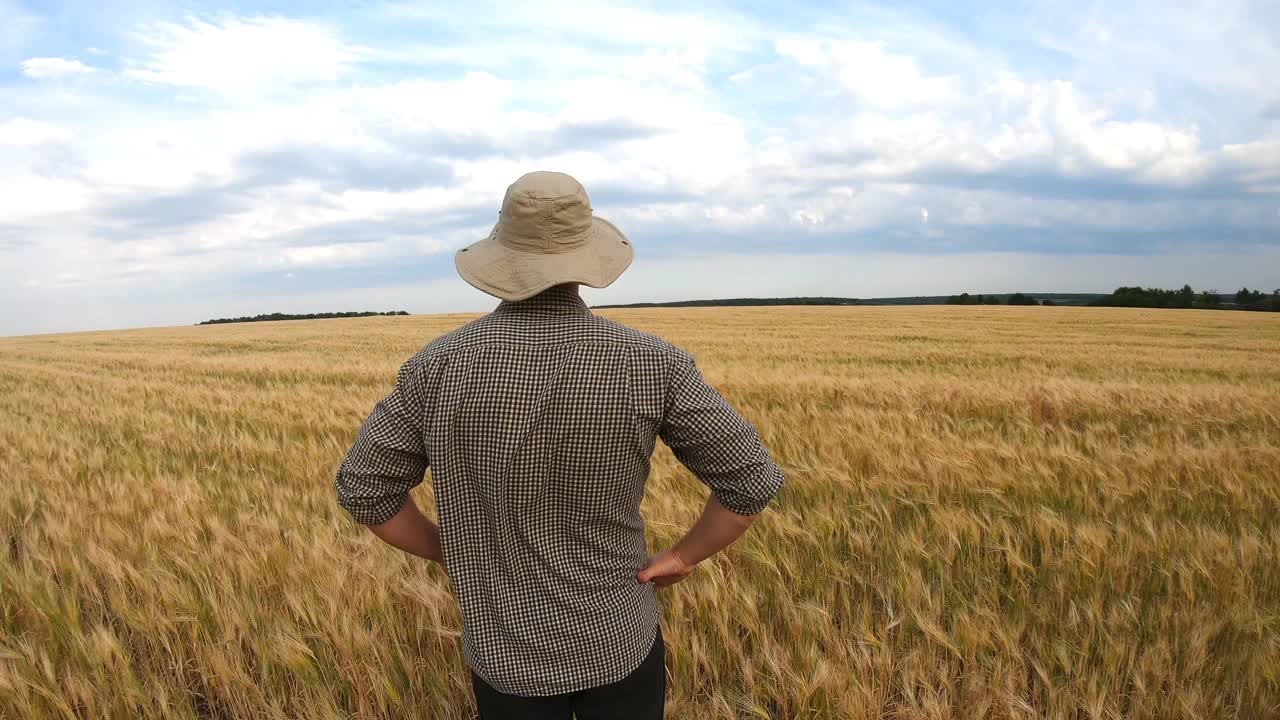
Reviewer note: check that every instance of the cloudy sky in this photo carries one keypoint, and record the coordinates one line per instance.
(162, 163)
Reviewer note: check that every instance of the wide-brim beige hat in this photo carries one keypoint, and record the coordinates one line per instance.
(546, 235)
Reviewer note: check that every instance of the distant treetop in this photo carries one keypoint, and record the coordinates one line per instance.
(304, 316)
(1140, 297)
(1186, 297)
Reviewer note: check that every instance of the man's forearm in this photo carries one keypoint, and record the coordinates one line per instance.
(716, 529)
(410, 531)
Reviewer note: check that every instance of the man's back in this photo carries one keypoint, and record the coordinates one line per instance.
(538, 421)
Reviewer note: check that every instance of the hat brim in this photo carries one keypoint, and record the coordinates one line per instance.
(512, 274)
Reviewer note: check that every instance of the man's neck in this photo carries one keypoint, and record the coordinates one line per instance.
(563, 298)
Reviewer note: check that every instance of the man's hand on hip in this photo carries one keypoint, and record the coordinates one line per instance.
(665, 568)
(716, 528)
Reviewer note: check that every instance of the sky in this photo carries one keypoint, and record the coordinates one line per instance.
(163, 163)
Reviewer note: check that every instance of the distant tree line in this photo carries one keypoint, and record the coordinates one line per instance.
(980, 299)
(741, 302)
(1247, 299)
(1049, 299)
(1187, 297)
(305, 316)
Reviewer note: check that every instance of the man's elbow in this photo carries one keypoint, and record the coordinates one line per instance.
(743, 507)
(750, 498)
(373, 517)
(730, 510)
(371, 511)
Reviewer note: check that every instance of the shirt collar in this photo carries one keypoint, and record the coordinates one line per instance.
(555, 300)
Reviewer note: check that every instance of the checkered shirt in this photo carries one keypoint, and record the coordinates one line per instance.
(538, 421)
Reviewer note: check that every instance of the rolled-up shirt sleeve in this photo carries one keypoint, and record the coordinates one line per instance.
(720, 447)
(389, 456)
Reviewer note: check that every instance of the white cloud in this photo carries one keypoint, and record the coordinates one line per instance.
(471, 105)
(241, 55)
(875, 76)
(1009, 127)
(48, 68)
(27, 132)
(1260, 159)
(53, 202)
(1094, 141)
(324, 255)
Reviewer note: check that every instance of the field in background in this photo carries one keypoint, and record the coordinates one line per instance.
(990, 512)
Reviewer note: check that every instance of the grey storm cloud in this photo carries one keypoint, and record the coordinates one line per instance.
(14, 236)
(1107, 185)
(593, 135)
(370, 230)
(615, 195)
(342, 168)
(1027, 177)
(170, 211)
(578, 136)
(334, 169)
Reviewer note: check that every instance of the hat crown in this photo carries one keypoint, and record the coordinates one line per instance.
(546, 212)
(546, 235)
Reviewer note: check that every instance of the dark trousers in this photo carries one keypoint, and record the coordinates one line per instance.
(641, 695)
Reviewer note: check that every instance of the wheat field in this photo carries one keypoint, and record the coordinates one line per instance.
(990, 512)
